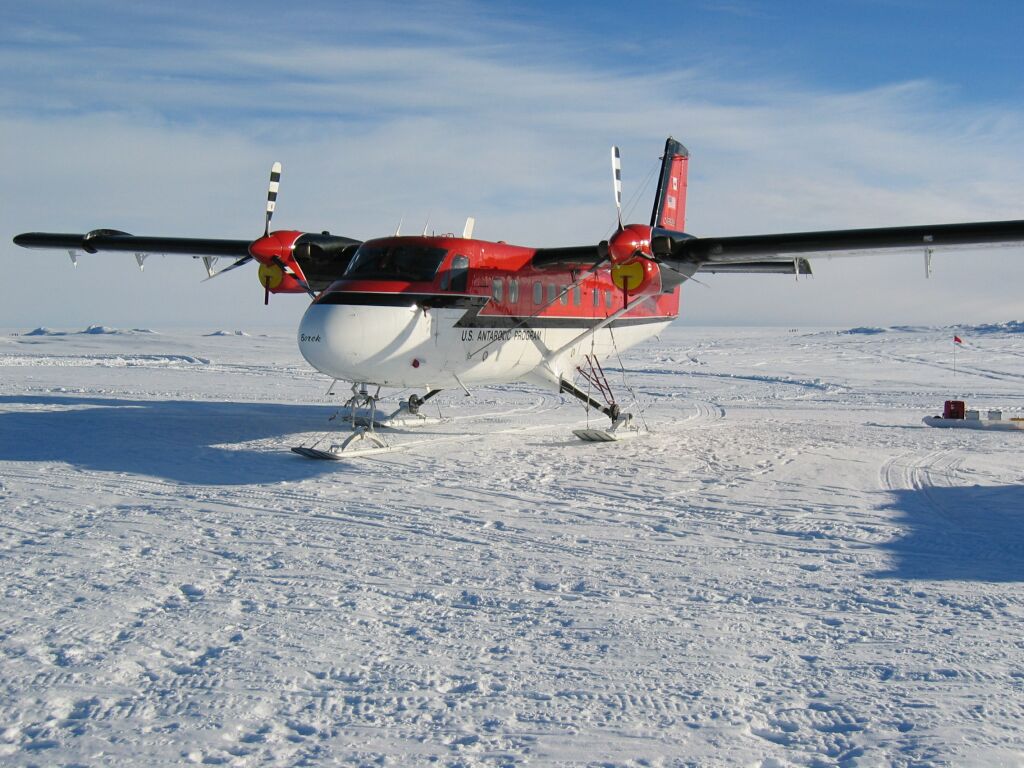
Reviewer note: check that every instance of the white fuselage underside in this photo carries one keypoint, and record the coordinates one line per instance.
(413, 347)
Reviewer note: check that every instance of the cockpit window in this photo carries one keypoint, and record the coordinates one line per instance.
(411, 263)
(459, 273)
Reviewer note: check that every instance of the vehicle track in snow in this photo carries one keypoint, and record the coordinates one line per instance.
(977, 512)
(966, 366)
(922, 471)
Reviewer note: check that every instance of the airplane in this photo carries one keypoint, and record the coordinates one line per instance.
(435, 312)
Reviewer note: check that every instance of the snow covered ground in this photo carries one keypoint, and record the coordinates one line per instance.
(792, 570)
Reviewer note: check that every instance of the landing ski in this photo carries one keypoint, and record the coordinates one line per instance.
(595, 435)
(362, 442)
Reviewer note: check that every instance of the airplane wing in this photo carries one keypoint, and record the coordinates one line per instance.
(321, 258)
(789, 252)
(115, 240)
(760, 252)
(570, 257)
(290, 261)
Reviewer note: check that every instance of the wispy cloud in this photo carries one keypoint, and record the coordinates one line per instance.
(166, 123)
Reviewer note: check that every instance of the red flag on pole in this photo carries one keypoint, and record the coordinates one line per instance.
(957, 340)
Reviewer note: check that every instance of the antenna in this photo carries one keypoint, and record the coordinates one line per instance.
(617, 181)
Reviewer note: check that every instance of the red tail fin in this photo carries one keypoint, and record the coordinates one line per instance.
(670, 204)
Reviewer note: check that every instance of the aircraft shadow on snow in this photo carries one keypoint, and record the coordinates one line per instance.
(174, 440)
(968, 533)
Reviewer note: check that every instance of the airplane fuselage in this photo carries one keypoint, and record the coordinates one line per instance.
(442, 312)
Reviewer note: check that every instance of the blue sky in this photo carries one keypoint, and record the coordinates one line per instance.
(798, 116)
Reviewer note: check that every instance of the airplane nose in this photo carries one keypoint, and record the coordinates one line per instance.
(361, 343)
(322, 338)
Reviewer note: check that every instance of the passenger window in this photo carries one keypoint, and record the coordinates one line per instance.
(513, 290)
(577, 296)
(552, 293)
(597, 297)
(608, 299)
(563, 294)
(497, 288)
(459, 273)
(538, 293)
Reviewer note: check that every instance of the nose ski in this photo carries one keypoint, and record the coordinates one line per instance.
(363, 416)
(362, 442)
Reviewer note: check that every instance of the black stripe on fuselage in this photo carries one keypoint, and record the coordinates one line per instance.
(473, 306)
(424, 300)
(512, 321)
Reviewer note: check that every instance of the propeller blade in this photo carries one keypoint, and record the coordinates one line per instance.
(239, 263)
(289, 271)
(275, 184)
(617, 181)
(682, 276)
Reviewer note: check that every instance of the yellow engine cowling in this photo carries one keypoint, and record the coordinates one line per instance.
(636, 276)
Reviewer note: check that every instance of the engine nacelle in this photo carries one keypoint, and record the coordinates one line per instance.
(279, 271)
(629, 242)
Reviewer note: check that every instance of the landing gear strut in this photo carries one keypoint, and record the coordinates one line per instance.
(612, 410)
(622, 423)
(361, 409)
(415, 402)
(361, 412)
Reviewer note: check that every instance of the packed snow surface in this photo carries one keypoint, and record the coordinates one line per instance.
(789, 570)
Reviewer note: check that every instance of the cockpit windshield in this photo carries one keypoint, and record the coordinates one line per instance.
(398, 261)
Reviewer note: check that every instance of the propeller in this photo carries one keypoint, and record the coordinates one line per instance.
(634, 250)
(267, 249)
(621, 246)
(272, 190)
(629, 249)
(295, 276)
(275, 185)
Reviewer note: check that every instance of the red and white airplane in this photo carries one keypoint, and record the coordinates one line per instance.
(437, 312)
